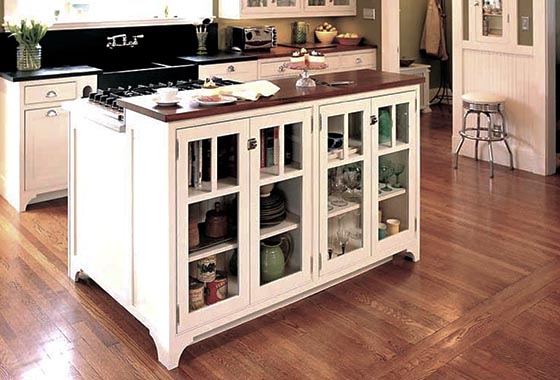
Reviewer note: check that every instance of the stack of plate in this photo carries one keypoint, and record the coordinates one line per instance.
(273, 209)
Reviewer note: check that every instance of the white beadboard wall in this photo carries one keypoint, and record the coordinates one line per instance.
(521, 76)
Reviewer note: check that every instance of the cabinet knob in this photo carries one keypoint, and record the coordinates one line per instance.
(373, 120)
(231, 69)
(281, 69)
(51, 94)
(252, 144)
(358, 60)
(52, 113)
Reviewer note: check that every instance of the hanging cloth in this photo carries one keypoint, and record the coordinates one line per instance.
(433, 37)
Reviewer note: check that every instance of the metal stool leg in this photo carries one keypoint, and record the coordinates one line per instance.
(491, 158)
(504, 131)
(477, 135)
(459, 146)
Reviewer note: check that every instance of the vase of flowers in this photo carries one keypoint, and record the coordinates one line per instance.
(28, 33)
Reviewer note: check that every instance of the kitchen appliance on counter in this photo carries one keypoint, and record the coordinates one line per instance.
(251, 37)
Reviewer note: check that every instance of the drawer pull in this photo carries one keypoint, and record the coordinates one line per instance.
(281, 69)
(231, 69)
(52, 113)
(358, 60)
(51, 94)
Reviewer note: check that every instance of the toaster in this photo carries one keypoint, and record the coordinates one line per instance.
(252, 38)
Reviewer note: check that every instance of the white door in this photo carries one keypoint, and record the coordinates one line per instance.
(394, 171)
(213, 222)
(46, 149)
(281, 203)
(344, 197)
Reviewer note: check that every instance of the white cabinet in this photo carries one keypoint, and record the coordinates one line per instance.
(238, 71)
(273, 68)
(34, 137)
(239, 214)
(491, 21)
(254, 9)
(421, 70)
(46, 159)
(329, 7)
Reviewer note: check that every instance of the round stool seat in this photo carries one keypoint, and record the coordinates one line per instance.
(483, 98)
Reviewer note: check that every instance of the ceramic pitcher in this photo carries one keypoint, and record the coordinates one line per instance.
(275, 254)
(300, 31)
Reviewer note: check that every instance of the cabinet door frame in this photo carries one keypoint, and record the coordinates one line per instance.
(272, 10)
(387, 246)
(330, 9)
(283, 285)
(509, 23)
(359, 257)
(189, 320)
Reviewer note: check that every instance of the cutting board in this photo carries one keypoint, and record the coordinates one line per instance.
(309, 45)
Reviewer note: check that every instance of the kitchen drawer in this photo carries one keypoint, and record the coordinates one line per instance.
(241, 71)
(275, 69)
(358, 60)
(46, 147)
(48, 93)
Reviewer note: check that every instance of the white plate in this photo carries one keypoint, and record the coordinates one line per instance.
(224, 99)
(167, 103)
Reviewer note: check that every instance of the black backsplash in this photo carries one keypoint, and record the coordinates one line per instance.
(88, 46)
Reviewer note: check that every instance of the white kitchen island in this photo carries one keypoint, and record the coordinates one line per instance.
(134, 197)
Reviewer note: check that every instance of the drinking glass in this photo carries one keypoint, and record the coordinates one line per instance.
(398, 168)
(352, 179)
(385, 172)
(338, 188)
(343, 236)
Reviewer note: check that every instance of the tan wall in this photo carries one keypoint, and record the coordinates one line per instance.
(1, 12)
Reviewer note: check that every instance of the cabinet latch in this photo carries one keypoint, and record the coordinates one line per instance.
(252, 144)
(373, 120)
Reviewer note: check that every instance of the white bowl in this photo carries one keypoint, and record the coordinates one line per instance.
(325, 37)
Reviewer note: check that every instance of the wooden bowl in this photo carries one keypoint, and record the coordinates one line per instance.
(325, 37)
(349, 41)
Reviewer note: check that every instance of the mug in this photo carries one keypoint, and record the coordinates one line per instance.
(382, 231)
(393, 226)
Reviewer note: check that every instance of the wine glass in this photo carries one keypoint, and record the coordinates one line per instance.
(352, 178)
(338, 187)
(385, 172)
(398, 168)
(343, 236)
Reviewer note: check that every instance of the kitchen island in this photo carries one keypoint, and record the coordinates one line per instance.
(197, 219)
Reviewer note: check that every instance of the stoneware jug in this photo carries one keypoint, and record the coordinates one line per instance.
(275, 254)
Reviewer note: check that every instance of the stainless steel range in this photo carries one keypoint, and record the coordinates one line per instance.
(103, 108)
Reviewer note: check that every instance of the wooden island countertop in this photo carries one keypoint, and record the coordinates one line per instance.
(363, 81)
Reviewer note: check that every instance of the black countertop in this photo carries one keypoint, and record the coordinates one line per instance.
(220, 57)
(50, 73)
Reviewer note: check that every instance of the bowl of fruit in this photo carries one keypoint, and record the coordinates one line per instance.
(325, 33)
(348, 39)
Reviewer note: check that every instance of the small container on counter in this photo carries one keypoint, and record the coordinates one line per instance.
(217, 290)
(206, 269)
(196, 294)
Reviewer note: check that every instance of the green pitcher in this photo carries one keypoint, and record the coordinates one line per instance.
(275, 254)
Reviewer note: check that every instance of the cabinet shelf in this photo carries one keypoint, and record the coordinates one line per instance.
(214, 250)
(340, 210)
(225, 187)
(400, 146)
(289, 224)
(289, 173)
(350, 160)
(390, 194)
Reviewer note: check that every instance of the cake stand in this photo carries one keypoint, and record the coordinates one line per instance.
(305, 81)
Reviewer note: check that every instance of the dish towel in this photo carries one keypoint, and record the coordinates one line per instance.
(251, 90)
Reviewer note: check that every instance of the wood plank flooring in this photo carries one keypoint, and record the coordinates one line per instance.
(483, 302)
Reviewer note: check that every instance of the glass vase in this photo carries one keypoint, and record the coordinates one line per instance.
(201, 37)
(28, 57)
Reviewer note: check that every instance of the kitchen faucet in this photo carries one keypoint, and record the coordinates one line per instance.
(112, 41)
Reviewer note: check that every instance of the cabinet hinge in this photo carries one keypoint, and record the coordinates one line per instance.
(177, 149)
(252, 143)
(312, 124)
(320, 261)
(311, 262)
(415, 224)
(320, 122)
(178, 315)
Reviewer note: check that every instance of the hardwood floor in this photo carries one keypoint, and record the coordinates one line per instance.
(483, 302)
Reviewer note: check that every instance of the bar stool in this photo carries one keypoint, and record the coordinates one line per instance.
(490, 105)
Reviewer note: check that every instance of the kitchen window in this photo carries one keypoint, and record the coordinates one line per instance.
(102, 12)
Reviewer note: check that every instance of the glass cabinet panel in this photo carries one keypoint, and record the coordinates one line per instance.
(341, 2)
(257, 3)
(345, 136)
(315, 3)
(285, 3)
(492, 18)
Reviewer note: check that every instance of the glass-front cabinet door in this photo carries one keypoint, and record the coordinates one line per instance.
(281, 202)
(394, 170)
(345, 200)
(212, 222)
(270, 6)
(339, 7)
(491, 19)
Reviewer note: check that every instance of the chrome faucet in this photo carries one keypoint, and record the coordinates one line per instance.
(112, 41)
